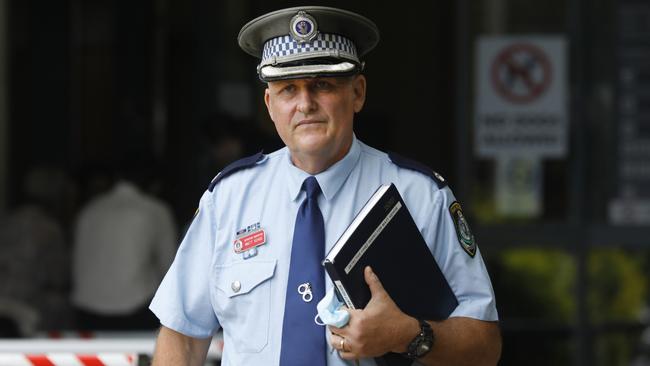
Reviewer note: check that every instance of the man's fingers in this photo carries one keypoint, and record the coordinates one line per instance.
(347, 355)
(373, 282)
(335, 330)
(335, 341)
(340, 343)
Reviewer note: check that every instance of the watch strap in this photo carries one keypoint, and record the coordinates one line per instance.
(422, 343)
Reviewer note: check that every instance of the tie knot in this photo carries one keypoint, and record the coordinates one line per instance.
(311, 187)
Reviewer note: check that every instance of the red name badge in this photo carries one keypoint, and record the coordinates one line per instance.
(249, 241)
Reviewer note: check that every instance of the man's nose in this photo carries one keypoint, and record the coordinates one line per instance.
(306, 102)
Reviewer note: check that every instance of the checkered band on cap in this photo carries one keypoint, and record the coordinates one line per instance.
(285, 48)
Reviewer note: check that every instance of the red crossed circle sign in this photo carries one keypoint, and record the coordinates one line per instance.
(521, 73)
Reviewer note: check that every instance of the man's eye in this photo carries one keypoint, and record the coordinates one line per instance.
(322, 85)
(288, 89)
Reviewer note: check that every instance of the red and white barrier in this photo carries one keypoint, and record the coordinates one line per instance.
(88, 349)
(68, 359)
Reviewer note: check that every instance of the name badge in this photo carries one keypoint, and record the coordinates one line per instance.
(249, 239)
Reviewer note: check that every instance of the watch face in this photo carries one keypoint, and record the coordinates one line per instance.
(422, 343)
(423, 347)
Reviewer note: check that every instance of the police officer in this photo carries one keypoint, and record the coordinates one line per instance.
(266, 221)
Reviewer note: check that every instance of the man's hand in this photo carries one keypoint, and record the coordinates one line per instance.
(379, 328)
(382, 327)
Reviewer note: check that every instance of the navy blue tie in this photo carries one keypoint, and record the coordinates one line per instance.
(303, 341)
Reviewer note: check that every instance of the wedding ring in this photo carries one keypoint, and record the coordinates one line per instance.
(342, 344)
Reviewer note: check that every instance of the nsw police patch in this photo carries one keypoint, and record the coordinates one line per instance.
(465, 236)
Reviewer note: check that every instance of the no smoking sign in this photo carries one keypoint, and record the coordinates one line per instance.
(521, 73)
(521, 93)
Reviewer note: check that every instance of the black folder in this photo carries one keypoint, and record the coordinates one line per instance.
(384, 236)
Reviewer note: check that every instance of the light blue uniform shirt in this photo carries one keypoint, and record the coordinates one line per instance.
(209, 285)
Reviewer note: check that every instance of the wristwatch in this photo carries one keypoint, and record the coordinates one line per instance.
(422, 343)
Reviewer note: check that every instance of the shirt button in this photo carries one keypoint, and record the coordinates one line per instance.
(235, 286)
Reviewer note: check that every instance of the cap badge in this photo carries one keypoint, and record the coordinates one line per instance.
(303, 27)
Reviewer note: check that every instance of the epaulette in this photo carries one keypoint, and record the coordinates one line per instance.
(417, 166)
(235, 166)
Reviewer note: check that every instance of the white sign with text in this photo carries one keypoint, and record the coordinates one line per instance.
(521, 97)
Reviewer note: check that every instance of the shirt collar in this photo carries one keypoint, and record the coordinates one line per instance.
(330, 180)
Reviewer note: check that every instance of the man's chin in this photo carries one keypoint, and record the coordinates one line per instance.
(313, 142)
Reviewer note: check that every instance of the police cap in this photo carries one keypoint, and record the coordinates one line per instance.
(308, 41)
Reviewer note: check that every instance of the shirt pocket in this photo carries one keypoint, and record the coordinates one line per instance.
(243, 301)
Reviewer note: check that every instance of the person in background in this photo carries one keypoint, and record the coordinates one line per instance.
(34, 255)
(124, 241)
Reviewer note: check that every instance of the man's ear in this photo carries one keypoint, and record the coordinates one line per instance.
(359, 88)
(267, 95)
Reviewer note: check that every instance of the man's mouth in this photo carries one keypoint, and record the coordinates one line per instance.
(306, 122)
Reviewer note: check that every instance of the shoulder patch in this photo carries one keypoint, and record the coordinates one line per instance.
(407, 163)
(465, 236)
(235, 166)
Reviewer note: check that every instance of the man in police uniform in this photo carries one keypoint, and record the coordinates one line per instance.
(235, 267)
